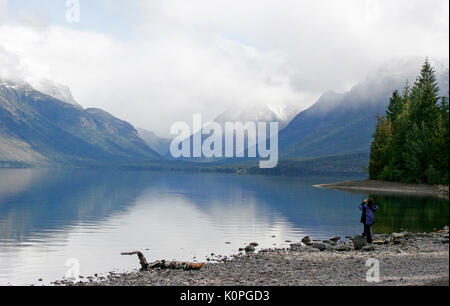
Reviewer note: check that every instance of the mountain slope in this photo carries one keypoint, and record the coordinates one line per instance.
(158, 144)
(55, 90)
(282, 114)
(38, 129)
(344, 123)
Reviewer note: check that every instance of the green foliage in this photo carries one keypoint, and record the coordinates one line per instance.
(411, 142)
(380, 151)
(395, 107)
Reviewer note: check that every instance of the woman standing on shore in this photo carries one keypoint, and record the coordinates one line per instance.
(368, 209)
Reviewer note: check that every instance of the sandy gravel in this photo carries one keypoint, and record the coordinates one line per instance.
(405, 259)
(382, 187)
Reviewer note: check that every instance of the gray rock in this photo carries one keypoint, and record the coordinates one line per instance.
(335, 238)
(249, 248)
(401, 241)
(319, 246)
(368, 248)
(296, 246)
(312, 250)
(359, 242)
(378, 242)
(397, 235)
(306, 240)
(342, 248)
(380, 236)
(406, 234)
(254, 244)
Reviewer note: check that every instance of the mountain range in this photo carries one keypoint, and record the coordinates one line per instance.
(42, 124)
(343, 123)
(38, 129)
(338, 124)
(159, 144)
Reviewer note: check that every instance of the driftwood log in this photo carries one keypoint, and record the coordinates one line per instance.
(162, 264)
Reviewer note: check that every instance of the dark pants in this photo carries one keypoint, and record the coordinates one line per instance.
(367, 233)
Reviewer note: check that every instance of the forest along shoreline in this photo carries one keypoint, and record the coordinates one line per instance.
(376, 187)
(405, 259)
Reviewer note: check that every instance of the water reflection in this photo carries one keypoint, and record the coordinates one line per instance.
(48, 216)
(416, 214)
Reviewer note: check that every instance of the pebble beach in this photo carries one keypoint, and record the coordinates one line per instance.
(405, 259)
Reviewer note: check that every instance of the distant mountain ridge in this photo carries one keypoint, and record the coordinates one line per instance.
(340, 124)
(58, 91)
(159, 144)
(282, 114)
(39, 128)
(36, 128)
(344, 123)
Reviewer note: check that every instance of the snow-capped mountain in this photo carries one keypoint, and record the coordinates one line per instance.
(58, 91)
(36, 128)
(283, 114)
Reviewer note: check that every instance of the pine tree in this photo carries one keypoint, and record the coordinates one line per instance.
(400, 129)
(379, 157)
(424, 97)
(395, 107)
(417, 153)
(411, 142)
(441, 144)
(421, 138)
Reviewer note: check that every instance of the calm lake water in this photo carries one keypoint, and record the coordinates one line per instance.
(50, 216)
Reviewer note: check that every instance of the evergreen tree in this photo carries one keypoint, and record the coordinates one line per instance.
(411, 143)
(417, 154)
(424, 97)
(379, 158)
(400, 129)
(395, 107)
(421, 139)
(441, 144)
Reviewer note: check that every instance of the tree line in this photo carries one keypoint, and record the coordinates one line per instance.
(411, 141)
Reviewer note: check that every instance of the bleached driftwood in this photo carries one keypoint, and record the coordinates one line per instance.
(180, 265)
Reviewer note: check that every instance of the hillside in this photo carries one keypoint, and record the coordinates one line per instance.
(36, 128)
(344, 123)
(158, 144)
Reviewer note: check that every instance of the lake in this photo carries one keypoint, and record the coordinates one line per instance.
(50, 216)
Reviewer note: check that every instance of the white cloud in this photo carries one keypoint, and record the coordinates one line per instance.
(3, 9)
(204, 56)
(10, 66)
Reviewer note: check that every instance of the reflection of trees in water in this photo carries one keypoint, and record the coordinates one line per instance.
(415, 214)
(37, 201)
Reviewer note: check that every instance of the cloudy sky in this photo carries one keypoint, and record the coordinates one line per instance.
(153, 62)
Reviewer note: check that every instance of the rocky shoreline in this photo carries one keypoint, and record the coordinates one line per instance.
(383, 187)
(405, 259)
